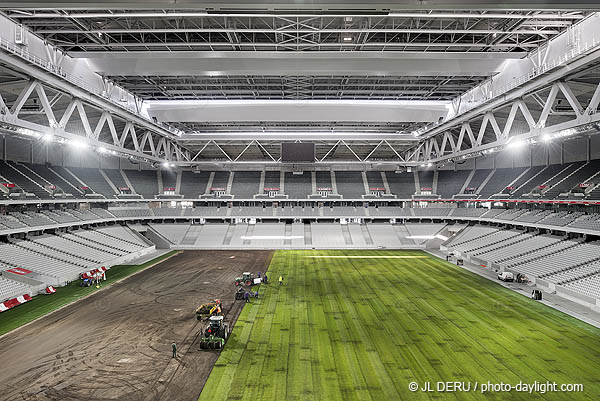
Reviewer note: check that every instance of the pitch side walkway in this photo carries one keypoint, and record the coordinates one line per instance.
(571, 308)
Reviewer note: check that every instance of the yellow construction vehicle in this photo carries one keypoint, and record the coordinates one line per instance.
(209, 309)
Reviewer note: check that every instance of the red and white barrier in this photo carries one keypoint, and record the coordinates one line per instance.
(50, 290)
(94, 273)
(11, 303)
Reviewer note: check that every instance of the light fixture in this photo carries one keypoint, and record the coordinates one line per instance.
(516, 144)
(165, 164)
(101, 150)
(347, 39)
(47, 137)
(78, 144)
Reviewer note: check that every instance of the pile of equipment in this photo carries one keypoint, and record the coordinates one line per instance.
(209, 309)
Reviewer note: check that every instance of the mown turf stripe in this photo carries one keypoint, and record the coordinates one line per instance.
(373, 323)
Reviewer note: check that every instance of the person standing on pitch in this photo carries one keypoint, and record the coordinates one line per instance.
(174, 350)
(280, 280)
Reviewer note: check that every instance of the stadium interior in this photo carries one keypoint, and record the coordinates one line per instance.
(264, 133)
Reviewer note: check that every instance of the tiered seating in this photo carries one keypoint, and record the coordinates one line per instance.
(422, 232)
(477, 179)
(298, 186)
(500, 180)
(70, 179)
(493, 213)
(521, 250)
(401, 184)
(84, 215)
(193, 184)
(11, 222)
(533, 216)
(172, 232)
(522, 244)
(513, 262)
(145, 182)
(575, 273)
(252, 211)
(102, 213)
(167, 211)
(245, 184)
(327, 235)
(205, 211)
(123, 234)
(94, 180)
(519, 184)
(343, 211)
(116, 178)
(132, 212)
(432, 211)
(589, 286)
(96, 251)
(54, 179)
(451, 182)
(10, 289)
(390, 211)
(560, 219)
(472, 233)
(468, 212)
(169, 179)
(113, 244)
(582, 253)
(60, 217)
(577, 177)
(10, 173)
(58, 270)
(501, 248)
(511, 214)
(540, 179)
(588, 222)
(486, 241)
(33, 219)
(61, 253)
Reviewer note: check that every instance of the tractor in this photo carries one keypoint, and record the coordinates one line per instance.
(216, 334)
(209, 309)
(246, 279)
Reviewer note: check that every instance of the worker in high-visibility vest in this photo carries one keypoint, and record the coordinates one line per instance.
(280, 280)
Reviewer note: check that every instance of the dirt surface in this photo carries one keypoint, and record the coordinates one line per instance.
(116, 344)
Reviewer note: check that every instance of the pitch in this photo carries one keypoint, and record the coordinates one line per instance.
(116, 344)
(366, 326)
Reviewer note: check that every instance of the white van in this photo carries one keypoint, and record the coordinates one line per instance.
(506, 276)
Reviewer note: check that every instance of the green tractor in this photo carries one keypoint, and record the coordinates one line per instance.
(246, 279)
(216, 334)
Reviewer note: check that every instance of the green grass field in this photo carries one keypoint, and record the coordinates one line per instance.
(363, 328)
(41, 305)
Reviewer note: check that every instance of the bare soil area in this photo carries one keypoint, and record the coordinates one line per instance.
(116, 344)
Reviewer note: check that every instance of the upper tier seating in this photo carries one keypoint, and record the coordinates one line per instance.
(145, 182)
(245, 184)
(351, 184)
(95, 181)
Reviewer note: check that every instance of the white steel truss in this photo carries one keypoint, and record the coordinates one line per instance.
(106, 131)
(559, 113)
